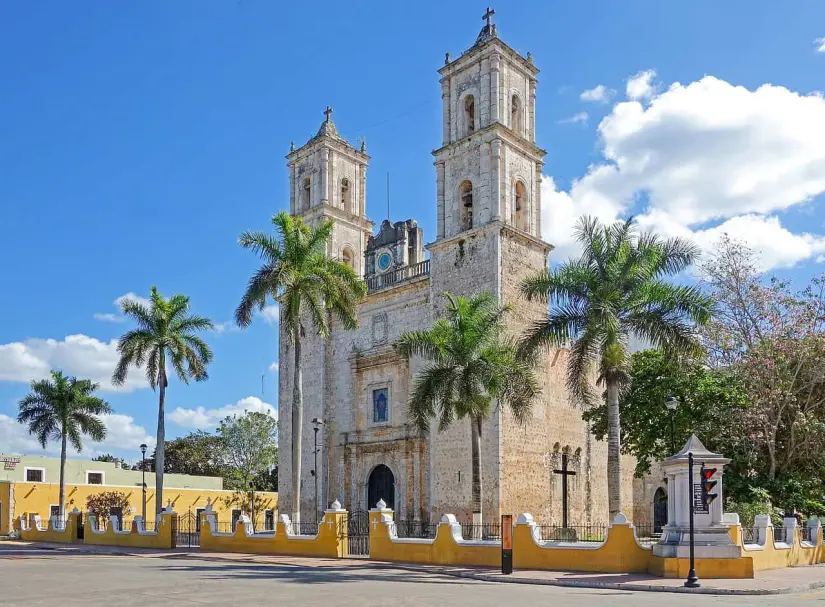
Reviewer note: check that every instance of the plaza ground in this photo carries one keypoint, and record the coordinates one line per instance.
(33, 575)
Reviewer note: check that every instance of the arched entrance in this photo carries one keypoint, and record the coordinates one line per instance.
(659, 510)
(381, 486)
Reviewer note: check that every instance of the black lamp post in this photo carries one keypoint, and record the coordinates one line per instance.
(252, 504)
(671, 403)
(317, 423)
(143, 468)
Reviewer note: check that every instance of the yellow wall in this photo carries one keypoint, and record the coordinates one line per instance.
(36, 498)
(327, 543)
(6, 514)
(31, 533)
(620, 553)
(107, 536)
(445, 549)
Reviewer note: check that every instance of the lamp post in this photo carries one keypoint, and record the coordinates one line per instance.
(143, 483)
(671, 403)
(317, 422)
(252, 504)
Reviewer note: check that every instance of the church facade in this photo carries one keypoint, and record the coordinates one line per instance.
(488, 173)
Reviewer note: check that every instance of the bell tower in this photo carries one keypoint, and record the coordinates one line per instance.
(328, 179)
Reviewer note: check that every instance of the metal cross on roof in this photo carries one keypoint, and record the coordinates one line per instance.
(488, 15)
(328, 112)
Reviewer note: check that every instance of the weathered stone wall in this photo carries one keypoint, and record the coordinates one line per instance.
(643, 491)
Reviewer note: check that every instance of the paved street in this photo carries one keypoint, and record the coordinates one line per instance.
(39, 578)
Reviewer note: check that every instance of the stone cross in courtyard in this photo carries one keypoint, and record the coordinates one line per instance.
(564, 474)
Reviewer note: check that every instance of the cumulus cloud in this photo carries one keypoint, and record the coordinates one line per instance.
(274, 367)
(641, 86)
(820, 45)
(271, 314)
(108, 317)
(208, 419)
(132, 297)
(599, 94)
(117, 318)
(701, 159)
(123, 433)
(78, 355)
(228, 326)
(581, 117)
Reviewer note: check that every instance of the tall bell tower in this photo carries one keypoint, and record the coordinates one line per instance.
(488, 175)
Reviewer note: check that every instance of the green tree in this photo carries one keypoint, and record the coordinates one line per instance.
(250, 444)
(614, 291)
(63, 409)
(101, 504)
(198, 453)
(711, 404)
(471, 363)
(166, 334)
(308, 285)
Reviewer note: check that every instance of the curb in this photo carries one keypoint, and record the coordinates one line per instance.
(482, 577)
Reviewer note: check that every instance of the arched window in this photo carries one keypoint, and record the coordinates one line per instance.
(515, 114)
(345, 194)
(466, 201)
(305, 194)
(348, 257)
(469, 115)
(520, 219)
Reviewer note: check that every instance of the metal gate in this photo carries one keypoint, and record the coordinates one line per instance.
(659, 517)
(81, 533)
(187, 534)
(355, 528)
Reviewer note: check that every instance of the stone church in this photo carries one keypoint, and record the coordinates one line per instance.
(488, 170)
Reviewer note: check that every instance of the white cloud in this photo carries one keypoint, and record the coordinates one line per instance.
(208, 419)
(641, 86)
(108, 317)
(820, 45)
(123, 434)
(600, 94)
(581, 117)
(271, 314)
(274, 367)
(224, 327)
(701, 159)
(132, 297)
(78, 355)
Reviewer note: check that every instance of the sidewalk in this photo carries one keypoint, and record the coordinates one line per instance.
(780, 581)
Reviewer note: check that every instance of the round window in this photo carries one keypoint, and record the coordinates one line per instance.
(384, 260)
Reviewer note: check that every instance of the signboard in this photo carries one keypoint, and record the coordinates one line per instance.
(699, 506)
(506, 544)
(9, 463)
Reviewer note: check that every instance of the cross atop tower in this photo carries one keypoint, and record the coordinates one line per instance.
(489, 16)
(328, 112)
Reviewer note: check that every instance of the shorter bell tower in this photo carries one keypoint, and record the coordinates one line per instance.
(328, 179)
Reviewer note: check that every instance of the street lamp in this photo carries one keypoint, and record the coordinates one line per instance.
(143, 483)
(252, 504)
(671, 403)
(317, 422)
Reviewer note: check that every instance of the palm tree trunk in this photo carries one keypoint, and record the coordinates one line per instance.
(62, 498)
(160, 447)
(297, 428)
(614, 450)
(475, 424)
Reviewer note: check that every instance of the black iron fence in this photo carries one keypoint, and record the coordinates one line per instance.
(780, 534)
(749, 535)
(302, 528)
(414, 529)
(487, 532)
(647, 535)
(574, 533)
(126, 524)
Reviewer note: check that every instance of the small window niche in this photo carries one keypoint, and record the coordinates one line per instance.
(465, 194)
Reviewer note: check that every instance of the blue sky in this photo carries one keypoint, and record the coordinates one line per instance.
(137, 140)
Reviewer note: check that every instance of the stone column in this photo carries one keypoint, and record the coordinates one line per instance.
(439, 178)
(356, 194)
(495, 76)
(292, 192)
(362, 190)
(453, 118)
(537, 203)
(486, 211)
(532, 110)
(495, 179)
(332, 187)
(324, 187)
(484, 79)
(445, 105)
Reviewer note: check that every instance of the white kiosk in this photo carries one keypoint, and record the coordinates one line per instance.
(711, 538)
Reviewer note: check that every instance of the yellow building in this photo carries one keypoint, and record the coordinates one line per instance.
(31, 487)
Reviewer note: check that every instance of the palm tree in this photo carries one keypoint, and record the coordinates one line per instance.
(165, 334)
(63, 408)
(471, 363)
(308, 285)
(614, 291)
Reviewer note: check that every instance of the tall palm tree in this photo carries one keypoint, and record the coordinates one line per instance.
(614, 291)
(308, 285)
(165, 334)
(471, 363)
(63, 408)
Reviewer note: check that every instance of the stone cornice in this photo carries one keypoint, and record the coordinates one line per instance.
(325, 141)
(502, 228)
(496, 130)
(471, 55)
(344, 217)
